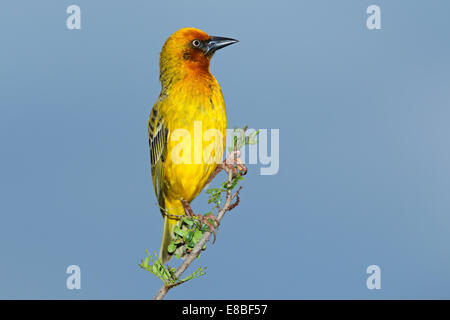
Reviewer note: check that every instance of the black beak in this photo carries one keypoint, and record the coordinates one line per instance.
(216, 43)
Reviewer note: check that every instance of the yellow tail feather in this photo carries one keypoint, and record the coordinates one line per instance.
(169, 225)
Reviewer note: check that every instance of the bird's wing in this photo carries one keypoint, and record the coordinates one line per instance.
(157, 139)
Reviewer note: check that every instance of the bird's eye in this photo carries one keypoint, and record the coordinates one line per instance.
(196, 43)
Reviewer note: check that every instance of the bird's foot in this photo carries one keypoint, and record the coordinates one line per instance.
(233, 162)
(204, 219)
(187, 208)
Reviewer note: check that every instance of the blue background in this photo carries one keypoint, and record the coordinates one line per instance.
(364, 148)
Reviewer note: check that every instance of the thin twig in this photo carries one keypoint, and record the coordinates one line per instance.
(199, 246)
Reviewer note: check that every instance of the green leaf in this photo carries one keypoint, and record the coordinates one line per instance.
(197, 236)
(205, 227)
(189, 236)
(179, 232)
(172, 247)
(188, 221)
(212, 190)
(252, 138)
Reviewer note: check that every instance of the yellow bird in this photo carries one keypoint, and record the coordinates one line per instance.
(187, 125)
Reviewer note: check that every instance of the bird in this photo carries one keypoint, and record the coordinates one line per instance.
(190, 104)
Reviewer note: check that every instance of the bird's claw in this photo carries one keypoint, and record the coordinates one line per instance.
(234, 163)
(187, 208)
(204, 219)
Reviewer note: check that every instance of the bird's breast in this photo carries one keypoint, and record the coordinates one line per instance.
(197, 124)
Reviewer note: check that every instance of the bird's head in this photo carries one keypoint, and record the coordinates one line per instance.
(190, 49)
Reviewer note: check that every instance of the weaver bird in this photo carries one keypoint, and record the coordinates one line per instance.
(190, 104)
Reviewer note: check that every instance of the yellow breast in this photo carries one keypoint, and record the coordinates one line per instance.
(196, 120)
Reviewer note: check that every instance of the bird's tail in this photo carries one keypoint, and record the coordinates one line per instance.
(172, 208)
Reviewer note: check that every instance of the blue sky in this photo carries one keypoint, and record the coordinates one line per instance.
(364, 148)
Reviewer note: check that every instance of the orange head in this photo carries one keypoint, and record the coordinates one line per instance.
(189, 50)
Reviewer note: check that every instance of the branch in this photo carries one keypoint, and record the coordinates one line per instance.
(198, 248)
